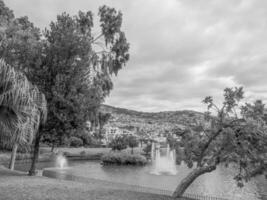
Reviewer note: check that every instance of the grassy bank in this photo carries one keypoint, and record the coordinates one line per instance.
(18, 186)
(47, 155)
(80, 153)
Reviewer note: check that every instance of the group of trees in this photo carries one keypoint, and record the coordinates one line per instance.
(68, 64)
(120, 142)
(61, 76)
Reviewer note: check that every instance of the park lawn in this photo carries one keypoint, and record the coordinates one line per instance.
(18, 186)
(78, 153)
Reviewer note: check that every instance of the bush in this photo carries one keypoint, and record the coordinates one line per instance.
(95, 143)
(83, 153)
(75, 142)
(85, 136)
(147, 149)
(122, 158)
(132, 141)
(119, 142)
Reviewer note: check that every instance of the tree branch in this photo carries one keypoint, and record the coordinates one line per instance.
(206, 146)
(95, 39)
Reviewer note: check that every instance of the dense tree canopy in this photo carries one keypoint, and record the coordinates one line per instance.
(236, 136)
(68, 62)
(77, 72)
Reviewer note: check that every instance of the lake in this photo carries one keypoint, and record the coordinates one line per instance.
(219, 183)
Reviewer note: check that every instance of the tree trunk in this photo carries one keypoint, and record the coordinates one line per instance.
(186, 182)
(132, 150)
(53, 146)
(35, 154)
(13, 156)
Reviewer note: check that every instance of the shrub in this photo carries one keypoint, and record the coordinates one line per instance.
(132, 141)
(95, 143)
(122, 158)
(147, 149)
(75, 142)
(83, 153)
(85, 136)
(119, 142)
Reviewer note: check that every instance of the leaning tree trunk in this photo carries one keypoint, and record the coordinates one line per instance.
(35, 153)
(186, 182)
(13, 156)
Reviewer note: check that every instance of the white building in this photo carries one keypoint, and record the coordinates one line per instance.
(112, 131)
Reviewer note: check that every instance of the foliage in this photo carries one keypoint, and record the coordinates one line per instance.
(103, 119)
(147, 149)
(70, 64)
(21, 106)
(122, 158)
(148, 125)
(75, 142)
(85, 137)
(81, 67)
(22, 109)
(237, 136)
(132, 141)
(119, 142)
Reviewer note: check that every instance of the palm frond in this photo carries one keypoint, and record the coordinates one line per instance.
(22, 106)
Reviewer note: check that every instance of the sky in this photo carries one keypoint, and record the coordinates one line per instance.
(180, 50)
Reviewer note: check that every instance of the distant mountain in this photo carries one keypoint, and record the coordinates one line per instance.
(152, 121)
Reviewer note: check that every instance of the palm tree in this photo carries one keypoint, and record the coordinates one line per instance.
(21, 109)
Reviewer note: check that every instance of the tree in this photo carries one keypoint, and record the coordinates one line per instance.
(132, 142)
(21, 108)
(236, 136)
(21, 47)
(103, 119)
(68, 63)
(79, 66)
(119, 142)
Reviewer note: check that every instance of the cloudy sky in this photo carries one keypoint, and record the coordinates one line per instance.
(181, 50)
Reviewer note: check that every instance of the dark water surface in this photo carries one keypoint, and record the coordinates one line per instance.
(219, 183)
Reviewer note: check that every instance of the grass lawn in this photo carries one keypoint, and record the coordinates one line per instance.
(18, 186)
(78, 153)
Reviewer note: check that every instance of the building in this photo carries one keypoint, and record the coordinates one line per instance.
(112, 131)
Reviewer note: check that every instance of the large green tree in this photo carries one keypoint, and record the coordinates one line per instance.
(235, 136)
(79, 65)
(70, 64)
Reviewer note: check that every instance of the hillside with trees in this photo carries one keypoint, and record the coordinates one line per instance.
(154, 122)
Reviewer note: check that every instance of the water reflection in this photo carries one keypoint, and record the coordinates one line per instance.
(219, 183)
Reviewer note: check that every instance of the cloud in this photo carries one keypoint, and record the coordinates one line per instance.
(181, 50)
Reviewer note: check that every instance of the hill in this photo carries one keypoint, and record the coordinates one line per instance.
(156, 122)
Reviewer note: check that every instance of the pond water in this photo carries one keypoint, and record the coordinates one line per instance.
(219, 183)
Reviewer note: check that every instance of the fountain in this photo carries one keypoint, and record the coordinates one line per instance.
(61, 161)
(163, 164)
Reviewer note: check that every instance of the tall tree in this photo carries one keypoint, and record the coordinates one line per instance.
(70, 64)
(236, 136)
(103, 119)
(79, 65)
